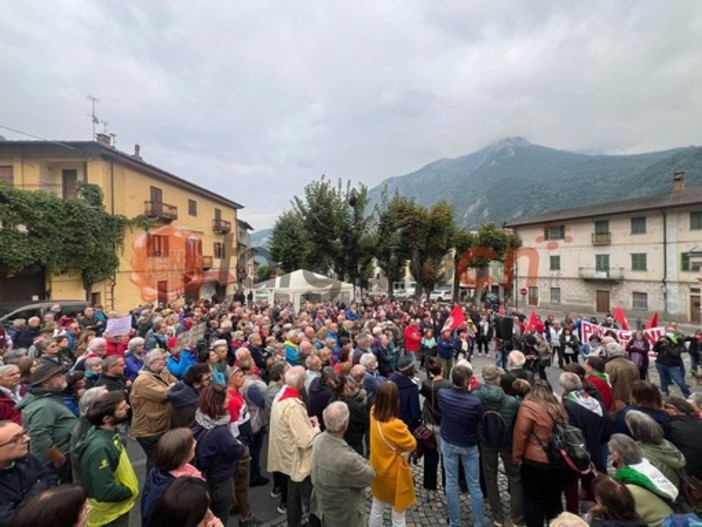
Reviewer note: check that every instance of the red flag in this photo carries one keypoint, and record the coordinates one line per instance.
(533, 321)
(653, 322)
(621, 318)
(456, 319)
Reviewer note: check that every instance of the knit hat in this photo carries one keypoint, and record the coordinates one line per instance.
(406, 366)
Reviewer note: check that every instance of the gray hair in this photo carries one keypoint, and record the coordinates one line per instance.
(369, 361)
(8, 369)
(643, 427)
(295, 377)
(96, 343)
(110, 361)
(220, 342)
(614, 349)
(515, 359)
(253, 337)
(133, 343)
(336, 416)
(627, 448)
(570, 382)
(89, 397)
(153, 355)
(92, 361)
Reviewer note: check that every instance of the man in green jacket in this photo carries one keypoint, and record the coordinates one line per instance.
(107, 473)
(47, 420)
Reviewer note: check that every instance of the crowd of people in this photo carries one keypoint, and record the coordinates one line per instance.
(340, 399)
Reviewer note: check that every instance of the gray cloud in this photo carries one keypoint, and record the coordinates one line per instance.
(256, 99)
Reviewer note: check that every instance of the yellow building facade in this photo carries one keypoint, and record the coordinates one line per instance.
(189, 251)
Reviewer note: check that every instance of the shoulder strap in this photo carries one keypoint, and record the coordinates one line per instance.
(382, 436)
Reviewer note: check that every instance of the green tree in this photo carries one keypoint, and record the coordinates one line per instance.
(335, 218)
(389, 247)
(264, 272)
(291, 245)
(41, 230)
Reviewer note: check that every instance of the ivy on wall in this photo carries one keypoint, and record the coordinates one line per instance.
(41, 230)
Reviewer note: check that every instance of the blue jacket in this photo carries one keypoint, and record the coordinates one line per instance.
(446, 348)
(216, 451)
(178, 367)
(157, 481)
(410, 411)
(461, 412)
(133, 365)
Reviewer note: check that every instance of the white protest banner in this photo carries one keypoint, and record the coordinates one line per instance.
(623, 336)
(117, 327)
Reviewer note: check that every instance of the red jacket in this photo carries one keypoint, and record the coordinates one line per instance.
(413, 339)
(8, 412)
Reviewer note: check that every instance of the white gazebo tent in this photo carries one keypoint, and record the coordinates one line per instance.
(302, 286)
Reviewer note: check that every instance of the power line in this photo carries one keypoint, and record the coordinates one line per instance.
(38, 137)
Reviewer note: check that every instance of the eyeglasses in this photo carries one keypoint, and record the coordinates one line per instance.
(16, 440)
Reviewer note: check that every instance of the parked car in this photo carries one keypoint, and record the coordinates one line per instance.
(404, 289)
(441, 294)
(11, 311)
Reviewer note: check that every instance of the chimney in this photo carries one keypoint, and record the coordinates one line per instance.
(678, 181)
(103, 139)
(137, 152)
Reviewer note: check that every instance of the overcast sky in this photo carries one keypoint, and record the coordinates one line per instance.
(255, 99)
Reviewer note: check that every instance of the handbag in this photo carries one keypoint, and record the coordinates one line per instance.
(691, 490)
(423, 434)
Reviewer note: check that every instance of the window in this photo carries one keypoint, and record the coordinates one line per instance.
(156, 245)
(219, 251)
(686, 265)
(554, 263)
(218, 214)
(638, 261)
(192, 207)
(696, 221)
(638, 225)
(602, 227)
(7, 174)
(554, 233)
(639, 301)
(602, 262)
(555, 295)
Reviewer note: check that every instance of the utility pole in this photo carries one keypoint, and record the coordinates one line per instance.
(94, 119)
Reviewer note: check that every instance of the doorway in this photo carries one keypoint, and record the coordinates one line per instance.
(602, 301)
(695, 309)
(533, 298)
(162, 291)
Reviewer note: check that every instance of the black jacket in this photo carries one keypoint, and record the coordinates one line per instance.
(18, 484)
(686, 434)
(318, 398)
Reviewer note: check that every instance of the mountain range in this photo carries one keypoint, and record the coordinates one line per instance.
(514, 178)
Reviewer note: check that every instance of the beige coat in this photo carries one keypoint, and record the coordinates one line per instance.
(290, 439)
(151, 410)
(339, 476)
(622, 374)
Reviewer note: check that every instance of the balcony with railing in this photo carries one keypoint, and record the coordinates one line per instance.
(160, 210)
(220, 226)
(601, 238)
(614, 274)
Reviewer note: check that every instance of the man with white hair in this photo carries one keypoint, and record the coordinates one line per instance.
(339, 474)
(622, 374)
(314, 370)
(291, 437)
(151, 409)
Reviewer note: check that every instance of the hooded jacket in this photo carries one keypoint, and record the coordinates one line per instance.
(107, 475)
(410, 411)
(494, 398)
(157, 482)
(48, 421)
(666, 458)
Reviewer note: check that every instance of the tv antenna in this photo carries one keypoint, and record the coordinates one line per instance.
(94, 118)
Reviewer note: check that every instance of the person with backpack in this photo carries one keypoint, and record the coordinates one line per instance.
(541, 480)
(495, 435)
(669, 363)
(589, 415)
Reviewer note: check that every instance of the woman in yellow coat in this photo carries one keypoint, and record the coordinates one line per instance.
(390, 445)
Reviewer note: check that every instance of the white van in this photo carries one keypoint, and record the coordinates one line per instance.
(404, 289)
